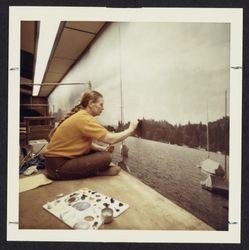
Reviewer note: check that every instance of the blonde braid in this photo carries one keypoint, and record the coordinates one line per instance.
(74, 110)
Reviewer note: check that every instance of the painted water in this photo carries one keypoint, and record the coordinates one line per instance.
(172, 171)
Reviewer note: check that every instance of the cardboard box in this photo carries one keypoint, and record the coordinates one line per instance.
(38, 145)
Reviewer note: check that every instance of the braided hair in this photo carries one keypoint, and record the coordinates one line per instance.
(86, 98)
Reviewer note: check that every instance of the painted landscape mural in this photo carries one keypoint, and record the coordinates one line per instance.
(174, 78)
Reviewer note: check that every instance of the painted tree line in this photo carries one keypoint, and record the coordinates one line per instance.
(191, 135)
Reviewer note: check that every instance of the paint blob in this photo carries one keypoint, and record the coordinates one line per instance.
(81, 225)
(81, 206)
(89, 218)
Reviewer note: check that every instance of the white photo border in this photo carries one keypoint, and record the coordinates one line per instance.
(234, 16)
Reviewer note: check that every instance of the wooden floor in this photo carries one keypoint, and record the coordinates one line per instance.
(148, 210)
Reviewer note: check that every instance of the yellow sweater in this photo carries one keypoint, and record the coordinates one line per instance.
(74, 136)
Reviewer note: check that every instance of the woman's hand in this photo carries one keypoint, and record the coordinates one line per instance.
(109, 148)
(100, 148)
(112, 138)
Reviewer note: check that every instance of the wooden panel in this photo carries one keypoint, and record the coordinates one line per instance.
(24, 91)
(26, 80)
(39, 118)
(46, 90)
(38, 135)
(93, 27)
(59, 65)
(34, 105)
(72, 43)
(34, 100)
(33, 111)
(52, 78)
(148, 209)
(39, 128)
(28, 36)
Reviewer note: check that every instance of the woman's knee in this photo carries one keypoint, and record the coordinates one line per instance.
(99, 158)
(106, 157)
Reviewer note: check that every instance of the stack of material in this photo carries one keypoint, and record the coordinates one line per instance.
(38, 146)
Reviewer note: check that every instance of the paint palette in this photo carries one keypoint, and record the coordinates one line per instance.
(82, 209)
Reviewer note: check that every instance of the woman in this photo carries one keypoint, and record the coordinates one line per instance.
(71, 153)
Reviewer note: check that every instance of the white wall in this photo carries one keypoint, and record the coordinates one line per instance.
(168, 72)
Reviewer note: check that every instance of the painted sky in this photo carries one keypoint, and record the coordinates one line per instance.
(168, 71)
(175, 77)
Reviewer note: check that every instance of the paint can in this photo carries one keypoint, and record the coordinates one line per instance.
(107, 215)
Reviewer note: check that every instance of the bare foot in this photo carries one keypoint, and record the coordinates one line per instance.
(113, 170)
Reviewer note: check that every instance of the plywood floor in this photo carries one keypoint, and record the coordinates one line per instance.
(148, 210)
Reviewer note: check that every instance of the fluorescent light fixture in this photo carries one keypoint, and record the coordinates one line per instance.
(47, 34)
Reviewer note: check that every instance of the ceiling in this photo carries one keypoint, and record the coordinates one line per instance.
(72, 40)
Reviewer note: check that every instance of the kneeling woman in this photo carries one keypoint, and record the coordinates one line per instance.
(71, 153)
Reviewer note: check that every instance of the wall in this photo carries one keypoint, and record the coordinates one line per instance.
(168, 71)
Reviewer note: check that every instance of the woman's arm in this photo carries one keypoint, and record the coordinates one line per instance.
(112, 138)
(108, 148)
(97, 147)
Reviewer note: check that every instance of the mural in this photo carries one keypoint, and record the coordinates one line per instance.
(174, 78)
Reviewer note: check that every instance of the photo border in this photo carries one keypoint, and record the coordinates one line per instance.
(229, 15)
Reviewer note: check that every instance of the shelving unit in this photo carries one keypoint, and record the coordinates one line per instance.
(35, 127)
